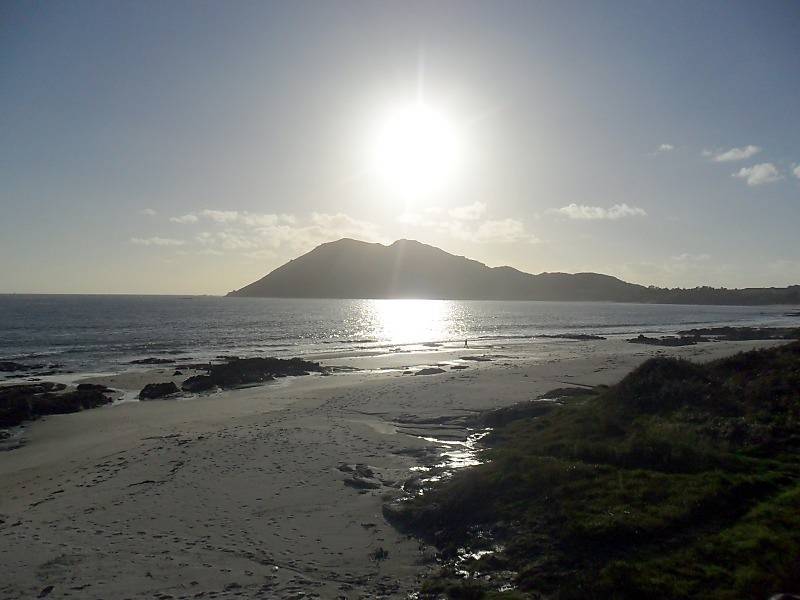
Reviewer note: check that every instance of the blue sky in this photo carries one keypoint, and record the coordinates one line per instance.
(190, 147)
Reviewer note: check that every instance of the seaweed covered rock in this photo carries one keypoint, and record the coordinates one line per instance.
(24, 402)
(153, 391)
(241, 371)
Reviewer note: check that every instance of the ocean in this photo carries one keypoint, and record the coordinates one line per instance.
(104, 333)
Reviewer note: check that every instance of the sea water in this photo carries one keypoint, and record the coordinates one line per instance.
(106, 332)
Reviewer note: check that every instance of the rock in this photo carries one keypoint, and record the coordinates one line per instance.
(240, 371)
(69, 402)
(362, 483)
(458, 367)
(664, 341)
(152, 361)
(153, 391)
(430, 371)
(177, 373)
(91, 386)
(11, 367)
(198, 383)
(23, 402)
(477, 358)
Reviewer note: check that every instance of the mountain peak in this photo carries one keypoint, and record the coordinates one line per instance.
(349, 268)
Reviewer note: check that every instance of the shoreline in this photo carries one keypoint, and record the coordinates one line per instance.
(246, 490)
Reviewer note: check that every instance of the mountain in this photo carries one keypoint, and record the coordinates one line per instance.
(409, 269)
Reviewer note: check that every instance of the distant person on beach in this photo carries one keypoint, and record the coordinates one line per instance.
(465, 344)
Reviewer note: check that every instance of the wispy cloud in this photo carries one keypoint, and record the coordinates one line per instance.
(148, 212)
(190, 218)
(665, 148)
(796, 171)
(590, 213)
(156, 241)
(504, 231)
(258, 236)
(221, 216)
(465, 223)
(733, 154)
(759, 174)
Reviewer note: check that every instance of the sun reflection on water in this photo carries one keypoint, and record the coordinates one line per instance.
(415, 321)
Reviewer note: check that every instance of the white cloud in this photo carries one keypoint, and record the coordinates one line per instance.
(156, 241)
(589, 213)
(245, 218)
(734, 154)
(259, 237)
(500, 231)
(190, 218)
(666, 148)
(148, 212)
(466, 224)
(470, 212)
(228, 240)
(759, 174)
(221, 216)
(505, 231)
(796, 171)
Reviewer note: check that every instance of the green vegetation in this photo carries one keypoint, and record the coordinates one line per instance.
(680, 481)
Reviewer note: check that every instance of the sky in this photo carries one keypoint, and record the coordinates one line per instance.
(192, 147)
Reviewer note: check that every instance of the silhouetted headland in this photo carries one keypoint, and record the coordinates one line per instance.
(350, 268)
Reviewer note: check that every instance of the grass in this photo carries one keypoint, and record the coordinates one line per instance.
(680, 481)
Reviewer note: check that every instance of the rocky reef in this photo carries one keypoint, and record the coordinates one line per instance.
(243, 371)
(25, 402)
(154, 391)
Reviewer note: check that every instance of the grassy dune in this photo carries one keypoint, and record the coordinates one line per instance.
(680, 481)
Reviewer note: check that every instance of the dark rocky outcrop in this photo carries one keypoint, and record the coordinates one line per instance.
(409, 269)
(241, 371)
(668, 341)
(690, 337)
(153, 361)
(153, 391)
(430, 371)
(12, 367)
(84, 387)
(741, 334)
(24, 402)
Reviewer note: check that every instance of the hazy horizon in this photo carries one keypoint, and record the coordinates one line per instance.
(191, 148)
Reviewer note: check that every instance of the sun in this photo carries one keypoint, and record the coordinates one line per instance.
(414, 150)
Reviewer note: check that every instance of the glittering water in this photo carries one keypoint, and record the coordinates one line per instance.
(105, 332)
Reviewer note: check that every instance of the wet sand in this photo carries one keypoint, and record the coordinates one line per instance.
(243, 493)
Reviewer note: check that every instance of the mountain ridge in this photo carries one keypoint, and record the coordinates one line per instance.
(349, 268)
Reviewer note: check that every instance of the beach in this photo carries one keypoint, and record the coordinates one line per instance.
(271, 491)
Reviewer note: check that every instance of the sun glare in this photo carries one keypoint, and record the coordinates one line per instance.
(414, 150)
(407, 321)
